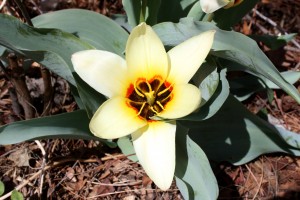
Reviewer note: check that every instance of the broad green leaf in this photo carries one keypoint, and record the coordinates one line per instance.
(133, 11)
(290, 76)
(90, 97)
(228, 45)
(214, 103)
(2, 50)
(207, 79)
(122, 20)
(46, 45)
(274, 42)
(244, 86)
(236, 135)
(52, 61)
(141, 10)
(290, 137)
(91, 27)
(194, 176)
(152, 9)
(127, 148)
(15, 195)
(173, 11)
(72, 125)
(2, 188)
(227, 18)
(196, 12)
(98, 30)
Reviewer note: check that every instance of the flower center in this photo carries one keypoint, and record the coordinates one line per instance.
(149, 97)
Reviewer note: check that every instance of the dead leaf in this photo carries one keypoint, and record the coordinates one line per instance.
(20, 157)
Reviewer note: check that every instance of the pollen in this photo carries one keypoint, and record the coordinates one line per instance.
(149, 97)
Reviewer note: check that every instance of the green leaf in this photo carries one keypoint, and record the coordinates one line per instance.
(196, 12)
(91, 98)
(122, 20)
(173, 11)
(2, 50)
(274, 42)
(152, 9)
(98, 30)
(228, 45)
(95, 29)
(227, 18)
(214, 103)
(46, 45)
(126, 146)
(194, 176)
(290, 76)
(2, 188)
(133, 11)
(137, 12)
(72, 125)
(236, 135)
(15, 195)
(207, 78)
(244, 86)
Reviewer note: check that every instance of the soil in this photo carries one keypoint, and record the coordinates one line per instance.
(78, 169)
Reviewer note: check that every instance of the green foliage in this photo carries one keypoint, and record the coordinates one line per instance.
(127, 148)
(244, 86)
(171, 10)
(15, 195)
(235, 135)
(194, 176)
(227, 18)
(95, 29)
(72, 125)
(51, 47)
(2, 188)
(228, 45)
(274, 42)
(133, 11)
(141, 11)
(99, 31)
(215, 101)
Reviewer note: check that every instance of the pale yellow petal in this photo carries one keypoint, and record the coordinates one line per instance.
(145, 54)
(187, 57)
(210, 6)
(114, 119)
(102, 70)
(185, 99)
(155, 148)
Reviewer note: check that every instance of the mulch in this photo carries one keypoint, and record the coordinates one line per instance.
(78, 169)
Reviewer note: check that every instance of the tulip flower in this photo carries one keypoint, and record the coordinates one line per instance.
(210, 6)
(144, 90)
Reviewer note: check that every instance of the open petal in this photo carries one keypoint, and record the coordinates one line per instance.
(210, 6)
(145, 54)
(155, 148)
(102, 70)
(186, 99)
(115, 119)
(187, 57)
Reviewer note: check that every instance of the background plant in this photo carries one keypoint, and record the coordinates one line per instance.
(231, 52)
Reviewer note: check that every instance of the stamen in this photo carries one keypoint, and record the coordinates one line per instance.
(153, 110)
(141, 109)
(160, 105)
(137, 91)
(168, 89)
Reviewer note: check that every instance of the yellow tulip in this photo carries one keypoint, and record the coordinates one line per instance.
(147, 87)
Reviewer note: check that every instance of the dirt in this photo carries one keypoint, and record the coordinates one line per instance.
(78, 169)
